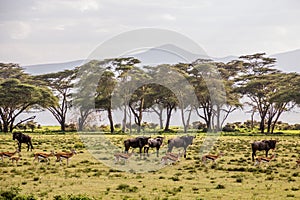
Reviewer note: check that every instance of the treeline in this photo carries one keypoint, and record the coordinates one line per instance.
(211, 90)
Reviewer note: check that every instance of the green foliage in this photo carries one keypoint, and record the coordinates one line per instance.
(19, 93)
(126, 188)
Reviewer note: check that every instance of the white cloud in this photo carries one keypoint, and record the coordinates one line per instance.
(168, 17)
(17, 30)
(86, 5)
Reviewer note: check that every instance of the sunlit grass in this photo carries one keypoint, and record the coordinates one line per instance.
(232, 177)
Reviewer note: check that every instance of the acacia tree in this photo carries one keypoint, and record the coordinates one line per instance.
(86, 88)
(104, 90)
(195, 74)
(139, 101)
(256, 83)
(229, 72)
(61, 84)
(282, 98)
(122, 68)
(18, 94)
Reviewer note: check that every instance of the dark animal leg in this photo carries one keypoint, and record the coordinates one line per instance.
(170, 149)
(30, 145)
(141, 152)
(126, 150)
(253, 154)
(157, 151)
(19, 146)
(267, 153)
(146, 151)
(184, 152)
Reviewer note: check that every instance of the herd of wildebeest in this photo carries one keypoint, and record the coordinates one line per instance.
(143, 143)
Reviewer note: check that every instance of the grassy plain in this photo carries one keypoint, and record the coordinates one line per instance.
(233, 177)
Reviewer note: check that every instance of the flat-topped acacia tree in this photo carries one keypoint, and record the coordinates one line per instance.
(61, 84)
(19, 93)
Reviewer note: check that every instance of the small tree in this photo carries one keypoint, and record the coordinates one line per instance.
(31, 124)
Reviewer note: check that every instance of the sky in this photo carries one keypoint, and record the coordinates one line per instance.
(34, 31)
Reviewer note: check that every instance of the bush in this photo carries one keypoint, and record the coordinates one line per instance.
(229, 128)
(10, 194)
(220, 186)
(126, 188)
(13, 193)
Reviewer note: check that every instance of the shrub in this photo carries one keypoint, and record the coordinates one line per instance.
(239, 180)
(220, 186)
(127, 188)
(10, 194)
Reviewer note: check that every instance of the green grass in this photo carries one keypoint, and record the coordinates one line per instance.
(233, 177)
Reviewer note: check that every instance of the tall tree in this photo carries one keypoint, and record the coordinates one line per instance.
(256, 83)
(104, 90)
(122, 69)
(282, 98)
(61, 83)
(18, 94)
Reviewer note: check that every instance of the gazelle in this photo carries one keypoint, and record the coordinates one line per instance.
(8, 154)
(15, 158)
(64, 155)
(43, 156)
(122, 156)
(174, 155)
(298, 163)
(211, 157)
(264, 159)
(170, 157)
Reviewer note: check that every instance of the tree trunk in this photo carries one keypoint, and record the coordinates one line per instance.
(167, 122)
(124, 121)
(252, 120)
(262, 125)
(111, 122)
(169, 114)
(218, 116)
(63, 126)
(160, 116)
(130, 124)
(5, 127)
(269, 124)
(161, 125)
(80, 124)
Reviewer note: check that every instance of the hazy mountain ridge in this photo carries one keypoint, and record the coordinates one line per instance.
(52, 67)
(170, 54)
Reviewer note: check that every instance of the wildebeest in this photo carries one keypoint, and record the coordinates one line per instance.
(22, 138)
(154, 143)
(262, 145)
(138, 142)
(183, 141)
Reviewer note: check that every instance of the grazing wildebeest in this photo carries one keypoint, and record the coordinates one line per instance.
(22, 138)
(183, 141)
(138, 142)
(154, 143)
(262, 145)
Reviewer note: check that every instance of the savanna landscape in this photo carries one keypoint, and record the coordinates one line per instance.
(233, 176)
(92, 106)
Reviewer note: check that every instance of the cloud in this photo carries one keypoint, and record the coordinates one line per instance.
(168, 17)
(17, 30)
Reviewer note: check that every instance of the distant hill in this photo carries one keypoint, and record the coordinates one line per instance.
(167, 54)
(288, 61)
(52, 67)
(171, 54)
